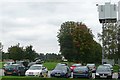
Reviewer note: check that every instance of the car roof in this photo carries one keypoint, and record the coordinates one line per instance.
(76, 64)
(90, 64)
(82, 67)
(37, 65)
(103, 66)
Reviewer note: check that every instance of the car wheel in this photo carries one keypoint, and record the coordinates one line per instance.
(66, 75)
(40, 75)
(5, 74)
(74, 77)
(96, 77)
(110, 77)
(19, 74)
(89, 77)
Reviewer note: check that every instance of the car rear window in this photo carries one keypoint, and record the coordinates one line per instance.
(81, 69)
(35, 68)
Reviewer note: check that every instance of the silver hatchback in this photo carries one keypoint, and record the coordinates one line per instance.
(103, 72)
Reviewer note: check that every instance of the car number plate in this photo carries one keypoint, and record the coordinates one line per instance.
(9, 72)
(80, 72)
(57, 74)
(30, 73)
(103, 76)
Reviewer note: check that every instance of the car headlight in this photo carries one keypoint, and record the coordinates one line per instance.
(97, 74)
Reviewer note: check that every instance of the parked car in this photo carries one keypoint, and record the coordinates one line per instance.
(37, 70)
(103, 72)
(75, 65)
(82, 72)
(24, 63)
(119, 74)
(92, 67)
(61, 70)
(8, 63)
(109, 65)
(14, 69)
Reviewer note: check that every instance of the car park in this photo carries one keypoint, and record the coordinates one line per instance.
(119, 74)
(92, 67)
(37, 70)
(75, 65)
(61, 70)
(103, 72)
(82, 72)
(14, 69)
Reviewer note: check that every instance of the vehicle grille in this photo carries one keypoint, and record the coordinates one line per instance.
(103, 74)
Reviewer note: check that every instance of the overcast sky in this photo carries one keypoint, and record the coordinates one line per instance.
(36, 22)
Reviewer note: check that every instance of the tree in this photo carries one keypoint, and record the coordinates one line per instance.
(76, 42)
(16, 52)
(5, 55)
(29, 53)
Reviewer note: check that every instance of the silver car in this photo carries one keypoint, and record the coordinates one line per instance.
(103, 72)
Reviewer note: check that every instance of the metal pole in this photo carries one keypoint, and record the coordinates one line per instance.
(103, 50)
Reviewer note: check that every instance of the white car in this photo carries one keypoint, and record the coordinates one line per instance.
(37, 70)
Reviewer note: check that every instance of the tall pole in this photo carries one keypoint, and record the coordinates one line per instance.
(103, 41)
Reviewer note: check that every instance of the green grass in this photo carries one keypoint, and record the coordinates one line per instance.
(50, 65)
(1, 65)
(116, 68)
(39, 78)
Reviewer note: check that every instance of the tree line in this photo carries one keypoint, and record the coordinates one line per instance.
(28, 53)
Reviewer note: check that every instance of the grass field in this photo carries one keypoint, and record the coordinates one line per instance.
(38, 78)
(50, 65)
(35, 78)
(1, 65)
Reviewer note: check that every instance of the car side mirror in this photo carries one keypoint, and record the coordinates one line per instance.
(43, 68)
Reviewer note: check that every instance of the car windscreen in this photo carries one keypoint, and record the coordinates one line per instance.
(60, 67)
(103, 69)
(108, 65)
(10, 67)
(81, 69)
(35, 68)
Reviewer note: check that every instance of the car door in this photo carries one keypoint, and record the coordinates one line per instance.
(21, 70)
(68, 71)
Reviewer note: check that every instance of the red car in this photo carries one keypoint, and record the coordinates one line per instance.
(74, 66)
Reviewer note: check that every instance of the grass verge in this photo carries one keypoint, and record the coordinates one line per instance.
(1, 65)
(38, 78)
(116, 68)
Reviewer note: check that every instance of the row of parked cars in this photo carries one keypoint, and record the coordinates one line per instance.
(61, 70)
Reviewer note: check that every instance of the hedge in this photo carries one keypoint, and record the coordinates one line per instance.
(38, 78)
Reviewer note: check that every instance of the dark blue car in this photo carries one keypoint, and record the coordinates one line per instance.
(82, 72)
(14, 69)
(61, 71)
